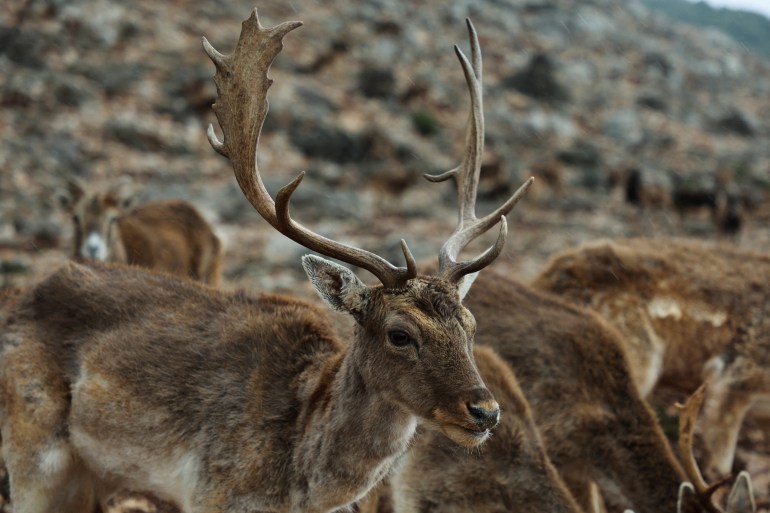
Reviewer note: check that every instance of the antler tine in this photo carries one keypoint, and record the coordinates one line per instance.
(242, 85)
(466, 177)
(688, 413)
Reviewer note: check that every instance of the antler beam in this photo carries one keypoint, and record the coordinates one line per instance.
(466, 177)
(688, 413)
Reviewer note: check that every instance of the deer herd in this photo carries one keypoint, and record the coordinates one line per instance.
(436, 396)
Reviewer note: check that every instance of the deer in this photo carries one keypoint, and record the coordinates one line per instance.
(687, 311)
(569, 366)
(169, 235)
(115, 376)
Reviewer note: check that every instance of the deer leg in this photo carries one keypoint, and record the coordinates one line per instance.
(44, 473)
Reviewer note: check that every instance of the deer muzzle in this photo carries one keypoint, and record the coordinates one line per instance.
(470, 422)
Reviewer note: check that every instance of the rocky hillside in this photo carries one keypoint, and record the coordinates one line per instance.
(587, 96)
(367, 97)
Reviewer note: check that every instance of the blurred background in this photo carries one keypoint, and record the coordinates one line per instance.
(623, 113)
(634, 116)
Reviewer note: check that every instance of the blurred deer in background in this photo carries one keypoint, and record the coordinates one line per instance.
(687, 311)
(169, 236)
(572, 368)
(113, 376)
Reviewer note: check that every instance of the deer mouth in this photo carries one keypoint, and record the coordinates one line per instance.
(465, 436)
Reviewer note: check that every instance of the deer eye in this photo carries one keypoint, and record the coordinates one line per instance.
(399, 338)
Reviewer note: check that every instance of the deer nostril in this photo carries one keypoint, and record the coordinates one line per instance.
(487, 416)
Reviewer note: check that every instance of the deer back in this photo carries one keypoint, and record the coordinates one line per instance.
(687, 310)
(171, 236)
(678, 302)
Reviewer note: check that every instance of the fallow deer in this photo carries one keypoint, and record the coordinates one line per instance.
(220, 401)
(169, 235)
(686, 310)
(572, 369)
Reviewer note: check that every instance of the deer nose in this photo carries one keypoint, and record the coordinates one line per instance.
(483, 409)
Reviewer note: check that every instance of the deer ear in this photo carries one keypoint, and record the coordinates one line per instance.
(69, 195)
(741, 498)
(464, 285)
(337, 285)
(121, 194)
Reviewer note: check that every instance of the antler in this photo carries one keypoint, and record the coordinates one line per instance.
(688, 413)
(466, 177)
(241, 107)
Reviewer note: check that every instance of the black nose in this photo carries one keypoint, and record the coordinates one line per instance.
(485, 415)
(483, 408)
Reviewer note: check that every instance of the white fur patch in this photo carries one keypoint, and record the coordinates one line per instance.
(662, 307)
(654, 365)
(714, 367)
(703, 314)
(666, 307)
(55, 459)
(170, 474)
(94, 247)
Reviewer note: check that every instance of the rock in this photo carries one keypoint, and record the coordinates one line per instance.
(538, 80)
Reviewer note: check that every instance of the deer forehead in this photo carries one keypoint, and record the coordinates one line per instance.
(93, 207)
(432, 306)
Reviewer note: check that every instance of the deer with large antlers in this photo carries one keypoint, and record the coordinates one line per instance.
(688, 311)
(217, 401)
(170, 235)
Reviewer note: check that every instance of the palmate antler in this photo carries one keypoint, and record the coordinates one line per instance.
(241, 107)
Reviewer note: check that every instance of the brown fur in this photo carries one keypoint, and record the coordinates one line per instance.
(170, 236)
(510, 472)
(687, 310)
(115, 377)
(571, 368)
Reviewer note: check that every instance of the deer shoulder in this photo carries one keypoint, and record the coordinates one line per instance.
(687, 310)
(170, 236)
(118, 377)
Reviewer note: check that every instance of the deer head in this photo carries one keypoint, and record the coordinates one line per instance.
(414, 337)
(94, 214)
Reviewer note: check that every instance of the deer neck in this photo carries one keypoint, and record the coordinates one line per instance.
(353, 435)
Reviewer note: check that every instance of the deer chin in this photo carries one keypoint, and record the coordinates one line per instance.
(463, 436)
